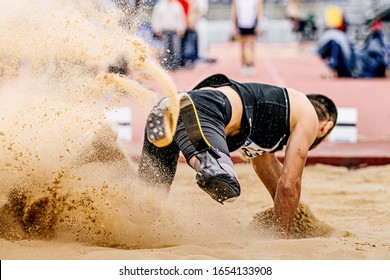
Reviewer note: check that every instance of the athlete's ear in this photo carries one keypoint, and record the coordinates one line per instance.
(325, 126)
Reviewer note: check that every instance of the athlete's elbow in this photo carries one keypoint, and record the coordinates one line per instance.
(301, 153)
(289, 189)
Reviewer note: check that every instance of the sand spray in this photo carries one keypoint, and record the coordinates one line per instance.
(54, 87)
(63, 175)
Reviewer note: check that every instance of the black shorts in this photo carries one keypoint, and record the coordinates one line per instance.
(214, 112)
(247, 31)
(158, 165)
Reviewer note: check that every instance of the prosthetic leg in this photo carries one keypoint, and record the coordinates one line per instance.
(214, 175)
(216, 178)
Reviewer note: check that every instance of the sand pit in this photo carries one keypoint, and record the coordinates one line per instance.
(346, 218)
(62, 171)
(306, 224)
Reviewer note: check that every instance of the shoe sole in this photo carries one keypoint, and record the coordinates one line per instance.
(218, 189)
(160, 126)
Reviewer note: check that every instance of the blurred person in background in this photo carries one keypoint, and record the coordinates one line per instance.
(335, 47)
(169, 24)
(246, 18)
(343, 58)
(372, 57)
(302, 24)
(190, 51)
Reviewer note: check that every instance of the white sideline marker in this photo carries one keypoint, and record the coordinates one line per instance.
(345, 130)
(120, 118)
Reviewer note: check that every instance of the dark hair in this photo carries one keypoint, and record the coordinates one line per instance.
(326, 111)
(325, 108)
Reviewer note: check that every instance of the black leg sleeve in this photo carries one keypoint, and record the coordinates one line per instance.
(157, 166)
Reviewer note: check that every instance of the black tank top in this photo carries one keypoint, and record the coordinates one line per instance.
(265, 126)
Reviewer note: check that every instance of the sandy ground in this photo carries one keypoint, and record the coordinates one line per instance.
(189, 225)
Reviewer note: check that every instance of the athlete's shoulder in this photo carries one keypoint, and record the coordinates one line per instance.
(301, 108)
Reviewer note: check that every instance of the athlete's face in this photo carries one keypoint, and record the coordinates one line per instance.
(325, 127)
(316, 142)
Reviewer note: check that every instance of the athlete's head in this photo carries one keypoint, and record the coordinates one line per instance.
(327, 116)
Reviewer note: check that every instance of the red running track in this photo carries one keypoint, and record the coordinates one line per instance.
(296, 66)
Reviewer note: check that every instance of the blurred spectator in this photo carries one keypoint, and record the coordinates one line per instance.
(302, 24)
(372, 58)
(168, 23)
(186, 6)
(246, 18)
(337, 50)
(294, 14)
(190, 40)
(335, 47)
(343, 58)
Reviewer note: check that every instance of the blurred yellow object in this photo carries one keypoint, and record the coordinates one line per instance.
(333, 17)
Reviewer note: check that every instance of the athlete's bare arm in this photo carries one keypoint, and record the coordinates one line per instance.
(288, 189)
(268, 168)
(284, 181)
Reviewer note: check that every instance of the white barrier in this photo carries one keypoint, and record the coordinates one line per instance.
(346, 126)
(120, 118)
